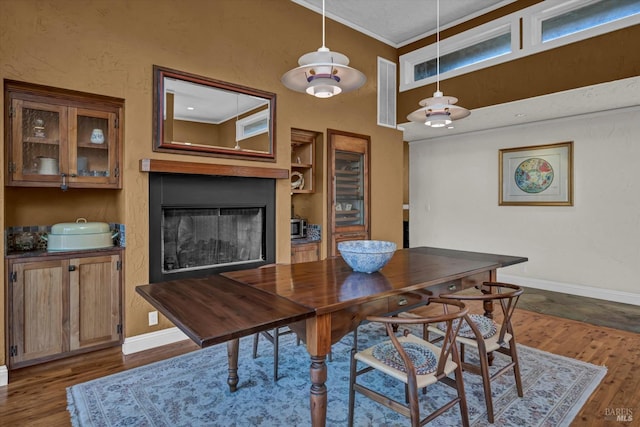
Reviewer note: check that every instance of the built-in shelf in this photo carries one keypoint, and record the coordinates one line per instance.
(303, 159)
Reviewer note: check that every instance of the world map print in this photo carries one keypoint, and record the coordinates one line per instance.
(534, 175)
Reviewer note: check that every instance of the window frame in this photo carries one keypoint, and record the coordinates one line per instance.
(548, 9)
(524, 42)
(242, 124)
(457, 42)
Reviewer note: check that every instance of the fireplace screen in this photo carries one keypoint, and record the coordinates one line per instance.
(201, 225)
(197, 238)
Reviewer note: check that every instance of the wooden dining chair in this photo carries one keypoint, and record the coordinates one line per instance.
(483, 334)
(413, 361)
(273, 336)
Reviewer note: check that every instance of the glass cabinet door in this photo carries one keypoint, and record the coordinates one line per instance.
(62, 138)
(348, 160)
(92, 150)
(349, 189)
(39, 137)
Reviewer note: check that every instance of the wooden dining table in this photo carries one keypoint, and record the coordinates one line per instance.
(322, 301)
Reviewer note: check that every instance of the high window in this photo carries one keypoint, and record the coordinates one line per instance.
(546, 25)
(586, 17)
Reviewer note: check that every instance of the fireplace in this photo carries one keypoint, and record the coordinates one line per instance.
(201, 224)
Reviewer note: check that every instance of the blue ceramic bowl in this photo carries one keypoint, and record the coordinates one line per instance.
(366, 256)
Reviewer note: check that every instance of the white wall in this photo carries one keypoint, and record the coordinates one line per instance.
(591, 248)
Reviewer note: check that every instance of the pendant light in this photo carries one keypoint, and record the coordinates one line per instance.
(323, 73)
(439, 110)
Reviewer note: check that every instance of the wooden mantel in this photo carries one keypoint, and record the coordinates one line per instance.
(174, 166)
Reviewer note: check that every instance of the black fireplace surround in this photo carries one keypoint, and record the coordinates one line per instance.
(201, 224)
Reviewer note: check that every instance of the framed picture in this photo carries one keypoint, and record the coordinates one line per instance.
(540, 175)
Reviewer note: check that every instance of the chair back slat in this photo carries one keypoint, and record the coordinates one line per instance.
(506, 294)
(508, 306)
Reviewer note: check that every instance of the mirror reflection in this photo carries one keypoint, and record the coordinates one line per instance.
(211, 117)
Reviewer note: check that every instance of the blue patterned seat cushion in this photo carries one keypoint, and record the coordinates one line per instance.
(486, 326)
(421, 356)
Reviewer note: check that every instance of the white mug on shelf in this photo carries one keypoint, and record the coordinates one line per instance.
(97, 137)
(47, 166)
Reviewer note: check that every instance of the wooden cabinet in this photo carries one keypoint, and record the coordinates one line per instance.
(37, 310)
(302, 160)
(349, 188)
(305, 252)
(60, 305)
(62, 138)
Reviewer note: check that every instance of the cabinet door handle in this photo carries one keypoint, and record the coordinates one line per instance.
(402, 301)
(452, 287)
(72, 268)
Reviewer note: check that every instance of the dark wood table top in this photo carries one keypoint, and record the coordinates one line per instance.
(331, 285)
(214, 309)
(218, 308)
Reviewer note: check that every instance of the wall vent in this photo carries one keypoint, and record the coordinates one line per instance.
(387, 93)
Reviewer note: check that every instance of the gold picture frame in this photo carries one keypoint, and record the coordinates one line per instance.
(537, 175)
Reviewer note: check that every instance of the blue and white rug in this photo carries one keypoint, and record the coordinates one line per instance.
(191, 390)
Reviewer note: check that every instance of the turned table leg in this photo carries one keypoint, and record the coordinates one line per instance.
(232, 359)
(318, 393)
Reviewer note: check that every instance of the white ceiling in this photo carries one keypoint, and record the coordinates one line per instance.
(199, 103)
(400, 22)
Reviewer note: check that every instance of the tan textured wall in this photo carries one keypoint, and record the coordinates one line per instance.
(109, 47)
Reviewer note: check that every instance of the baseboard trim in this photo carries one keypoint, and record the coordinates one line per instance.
(152, 340)
(571, 289)
(4, 375)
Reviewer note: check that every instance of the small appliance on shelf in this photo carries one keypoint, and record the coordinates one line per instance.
(298, 228)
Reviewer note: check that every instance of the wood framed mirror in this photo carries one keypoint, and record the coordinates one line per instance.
(203, 116)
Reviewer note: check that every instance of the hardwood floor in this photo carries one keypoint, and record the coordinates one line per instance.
(618, 350)
(36, 396)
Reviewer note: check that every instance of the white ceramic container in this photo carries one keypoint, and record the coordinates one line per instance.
(69, 236)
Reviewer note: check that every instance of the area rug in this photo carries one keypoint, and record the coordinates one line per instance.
(191, 390)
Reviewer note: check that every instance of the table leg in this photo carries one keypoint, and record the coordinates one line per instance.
(232, 359)
(488, 308)
(318, 391)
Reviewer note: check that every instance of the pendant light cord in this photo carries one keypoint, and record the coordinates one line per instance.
(437, 45)
(323, 45)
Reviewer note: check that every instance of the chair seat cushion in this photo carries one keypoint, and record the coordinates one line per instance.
(486, 326)
(424, 360)
(366, 357)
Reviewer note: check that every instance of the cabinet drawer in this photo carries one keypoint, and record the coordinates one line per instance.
(447, 288)
(406, 301)
(441, 289)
